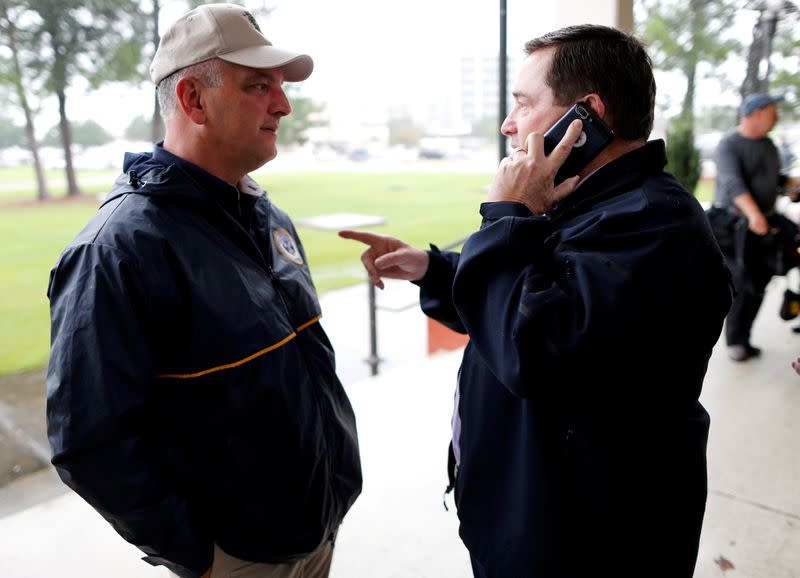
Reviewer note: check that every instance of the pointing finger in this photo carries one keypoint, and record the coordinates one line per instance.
(362, 236)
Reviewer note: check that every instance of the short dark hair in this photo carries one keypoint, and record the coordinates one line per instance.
(613, 64)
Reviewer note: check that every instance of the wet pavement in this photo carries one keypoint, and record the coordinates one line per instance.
(23, 443)
(398, 528)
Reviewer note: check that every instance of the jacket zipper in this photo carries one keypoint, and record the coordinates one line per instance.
(326, 454)
(266, 262)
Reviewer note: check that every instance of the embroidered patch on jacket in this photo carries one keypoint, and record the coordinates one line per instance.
(286, 245)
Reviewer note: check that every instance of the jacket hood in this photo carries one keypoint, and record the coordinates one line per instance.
(143, 175)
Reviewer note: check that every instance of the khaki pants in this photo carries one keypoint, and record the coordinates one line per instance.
(317, 565)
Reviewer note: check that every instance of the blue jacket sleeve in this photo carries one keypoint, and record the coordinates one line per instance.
(100, 380)
(436, 289)
(540, 306)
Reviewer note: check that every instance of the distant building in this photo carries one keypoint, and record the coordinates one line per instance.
(480, 86)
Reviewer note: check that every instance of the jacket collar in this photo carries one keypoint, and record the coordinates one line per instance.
(160, 173)
(622, 174)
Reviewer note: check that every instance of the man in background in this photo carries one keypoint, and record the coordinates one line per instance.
(191, 392)
(748, 182)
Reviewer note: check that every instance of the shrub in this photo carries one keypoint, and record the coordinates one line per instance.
(683, 158)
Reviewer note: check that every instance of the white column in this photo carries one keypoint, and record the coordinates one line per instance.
(617, 13)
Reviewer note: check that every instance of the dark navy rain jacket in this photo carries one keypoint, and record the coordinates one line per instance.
(582, 441)
(191, 392)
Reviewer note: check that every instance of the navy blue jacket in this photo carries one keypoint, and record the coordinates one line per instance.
(582, 438)
(191, 392)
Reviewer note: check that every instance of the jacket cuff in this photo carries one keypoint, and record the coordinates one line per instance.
(498, 209)
(440, 270)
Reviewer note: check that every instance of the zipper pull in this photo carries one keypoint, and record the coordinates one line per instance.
(134, 180)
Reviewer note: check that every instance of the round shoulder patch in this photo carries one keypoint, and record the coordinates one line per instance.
(286, 246)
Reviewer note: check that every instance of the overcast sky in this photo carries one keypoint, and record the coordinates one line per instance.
(368, 54)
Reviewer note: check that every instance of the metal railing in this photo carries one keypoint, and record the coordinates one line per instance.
(374, 360)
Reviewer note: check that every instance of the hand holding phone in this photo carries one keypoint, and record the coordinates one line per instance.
(595, 137)
(526, 175)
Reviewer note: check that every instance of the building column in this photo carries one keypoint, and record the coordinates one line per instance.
(616, 13)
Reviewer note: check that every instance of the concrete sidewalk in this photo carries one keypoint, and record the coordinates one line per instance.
(398, 528)
(752, 518)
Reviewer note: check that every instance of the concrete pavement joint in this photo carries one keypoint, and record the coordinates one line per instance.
(18, 434)
(755, 504)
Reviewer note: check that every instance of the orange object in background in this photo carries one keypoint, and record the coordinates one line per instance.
(440, 337)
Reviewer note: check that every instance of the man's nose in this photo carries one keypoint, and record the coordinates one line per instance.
(280, 106)
(508, 127)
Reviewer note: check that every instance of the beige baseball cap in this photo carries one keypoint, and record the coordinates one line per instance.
(226, 31)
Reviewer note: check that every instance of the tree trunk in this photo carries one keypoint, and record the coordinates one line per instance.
(41, 184)
(66, 142)
(763, 31)
(697, 17)
(770, 26)
(157, 126)
(687, 112)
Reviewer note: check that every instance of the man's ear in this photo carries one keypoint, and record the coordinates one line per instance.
(189, 92)
(596, 104)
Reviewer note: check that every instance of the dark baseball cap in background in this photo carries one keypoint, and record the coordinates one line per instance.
(758, 101)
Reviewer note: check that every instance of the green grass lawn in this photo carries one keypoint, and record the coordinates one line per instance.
(30, 241)
(16, 182)
(419, 208)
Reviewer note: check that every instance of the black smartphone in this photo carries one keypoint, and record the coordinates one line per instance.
(594, 138)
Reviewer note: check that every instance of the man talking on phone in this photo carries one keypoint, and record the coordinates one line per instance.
(592, 307)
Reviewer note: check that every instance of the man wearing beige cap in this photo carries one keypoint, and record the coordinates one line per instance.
(191, 393)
